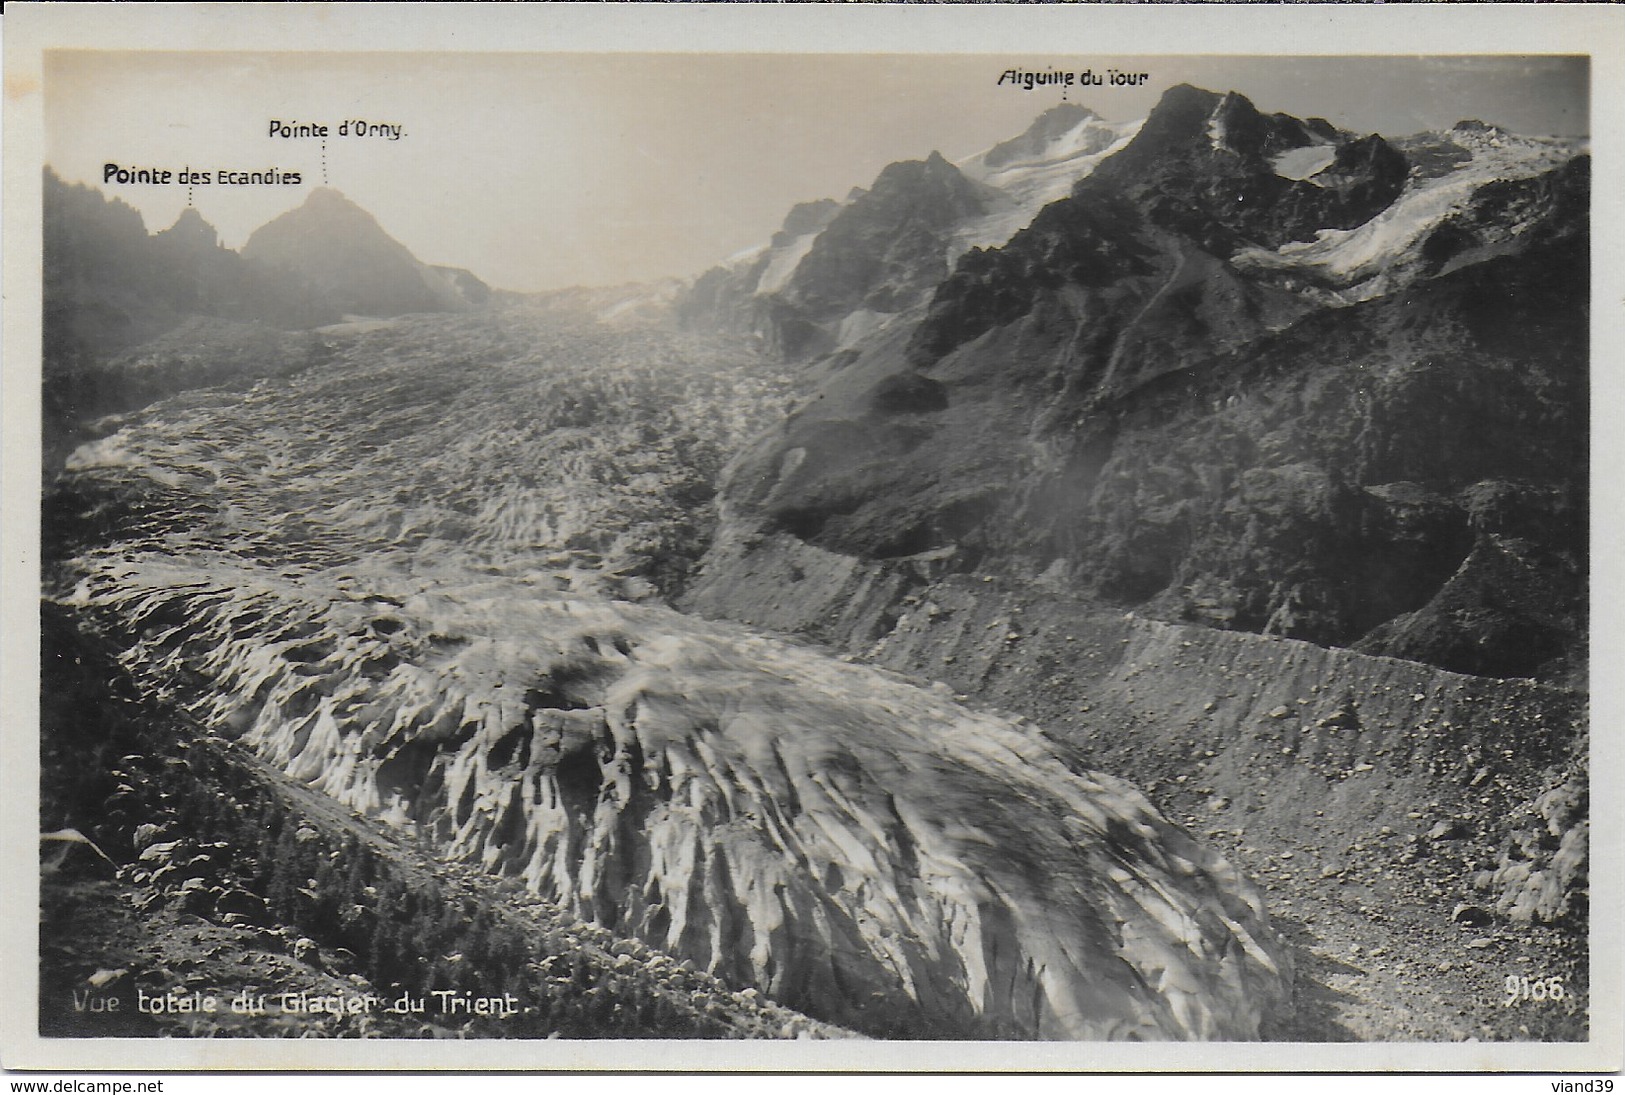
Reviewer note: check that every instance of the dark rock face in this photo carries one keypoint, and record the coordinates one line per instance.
(883, 252)
(1051, 124)
(97, 288)
(908, 393)
(130, 317)
(837, 272)
(109, 285)
(1114, 402)
(191, 232)
(336, 246)
(1557, 202)
(721, 299)
(813, 830)
(1087, 244)
(888, 242)
(806, 217)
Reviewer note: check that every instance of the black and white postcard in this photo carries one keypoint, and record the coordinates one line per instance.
(667, 537)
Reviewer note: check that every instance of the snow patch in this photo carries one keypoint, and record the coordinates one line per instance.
(1374, 258)
(782, 266)
(858, 326)
(748, 255)
(1029, 185)
(1302, 163)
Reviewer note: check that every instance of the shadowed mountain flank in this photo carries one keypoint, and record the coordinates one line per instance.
(339, 249)
(1252, 372)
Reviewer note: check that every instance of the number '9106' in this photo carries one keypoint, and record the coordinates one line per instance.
(1520, 989)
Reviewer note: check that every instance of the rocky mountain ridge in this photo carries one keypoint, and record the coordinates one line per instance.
(339, 249)
(1194, 387)
(838, 272)
(110, 285)
(737, 803)
(131, 316)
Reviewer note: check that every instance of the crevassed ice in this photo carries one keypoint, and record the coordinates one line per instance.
(826, 831)
(361, 574)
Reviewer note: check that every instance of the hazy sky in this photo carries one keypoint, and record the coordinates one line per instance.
(544, 170)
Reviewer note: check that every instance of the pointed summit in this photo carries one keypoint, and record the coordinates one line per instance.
(805, 218)
(327, 201)
(1041, 139)
(192, 230)
(880, 252)
(345, 254)
(331, 209)
(322, 195)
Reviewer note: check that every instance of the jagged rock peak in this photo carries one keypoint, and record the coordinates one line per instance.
(1048, 127)
(932, 186)
(911, 173)
(327, 197)
(1206, 165)
(1192, 121)
(323, 220)
(1237, 126)
(806, 217)
(846, 842)
(346, 255)
(333, 206)
(190, 227)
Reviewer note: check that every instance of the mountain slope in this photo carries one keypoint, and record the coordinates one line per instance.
(130, 316)
(839, 272)
(1131, 397)
(109, 285)
(1236, 372)
(338, 248)
(332, 574)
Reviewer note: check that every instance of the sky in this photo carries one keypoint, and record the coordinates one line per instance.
(541, 171)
